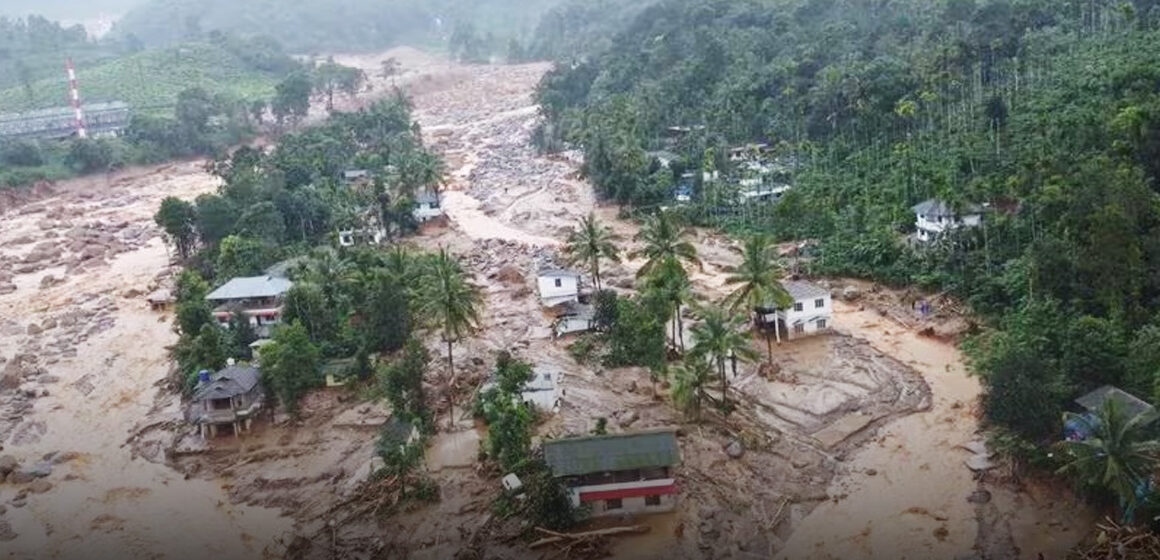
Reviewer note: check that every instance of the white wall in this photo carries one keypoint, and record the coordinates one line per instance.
(814, 319)
(637, 505)
(425, 212)
(567, 290)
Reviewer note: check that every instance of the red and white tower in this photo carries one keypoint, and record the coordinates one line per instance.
(75, 97)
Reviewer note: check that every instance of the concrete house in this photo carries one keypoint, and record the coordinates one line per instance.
(618, 474)
(427, 207)
(542, 391)
(258, 298)
(574, 318)
(811, 312)
(935, 217)
(230, 397)
(558, 286)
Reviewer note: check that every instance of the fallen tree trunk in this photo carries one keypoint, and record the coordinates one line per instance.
(554, 537)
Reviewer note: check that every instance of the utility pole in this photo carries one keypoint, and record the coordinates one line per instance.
(75, 98)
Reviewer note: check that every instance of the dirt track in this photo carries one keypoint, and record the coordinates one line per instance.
(507, 208)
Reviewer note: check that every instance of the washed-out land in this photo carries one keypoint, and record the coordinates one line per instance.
(855, 448)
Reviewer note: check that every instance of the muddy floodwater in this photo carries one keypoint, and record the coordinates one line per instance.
(84, 359)
(88, 354)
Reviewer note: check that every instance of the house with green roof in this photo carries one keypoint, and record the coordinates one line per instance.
(618, 474)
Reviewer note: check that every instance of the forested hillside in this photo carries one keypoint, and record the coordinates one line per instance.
(311, 26)
(1048, 111)
(580, 28)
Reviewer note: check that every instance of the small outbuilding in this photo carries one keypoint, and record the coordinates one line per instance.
(427, 206)
(1131, 405)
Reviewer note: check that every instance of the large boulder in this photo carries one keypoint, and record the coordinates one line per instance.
(39, 486)
(40, 469)
(8, 464)
(734, 449)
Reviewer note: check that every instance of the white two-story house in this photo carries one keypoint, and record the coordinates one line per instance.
(934, 217)
(557, 287)
(811, 312)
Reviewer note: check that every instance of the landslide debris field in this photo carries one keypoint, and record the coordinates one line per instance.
(103, 463)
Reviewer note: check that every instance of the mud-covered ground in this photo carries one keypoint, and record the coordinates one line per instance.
(851, 449)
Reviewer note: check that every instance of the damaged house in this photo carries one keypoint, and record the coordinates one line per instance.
(230, 397)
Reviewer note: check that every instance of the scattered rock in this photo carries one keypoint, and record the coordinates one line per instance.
(625, 420)
(40, 469)
(510, 275)
(6, 532)
(20, 477)
(39, 486)
(871, 472)
(734, 449)
(850, 293)
(67, 456)
(49, 281)
(979, 497)
(941, 533)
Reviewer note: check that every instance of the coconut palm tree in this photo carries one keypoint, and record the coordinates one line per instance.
(689, 380)
(719, 337)
(1119, 455)
(758, 282)
(589, 243)
(326, 269)
(451, 304)
(669, 283)
(663, 239)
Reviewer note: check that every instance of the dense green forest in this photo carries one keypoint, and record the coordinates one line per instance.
(311, 26)
(581, 28)
(1047, 111)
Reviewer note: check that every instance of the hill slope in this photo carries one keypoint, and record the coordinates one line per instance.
(308, 26)
(149, 78)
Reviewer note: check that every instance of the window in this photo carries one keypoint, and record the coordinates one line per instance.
(559, 283)
(799, 329)
(821, 324)
(797, 307)
(652, 500)
(819, 303)
(614, 503)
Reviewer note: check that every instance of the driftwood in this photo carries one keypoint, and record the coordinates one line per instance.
(1120, 543)
(589, 544)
